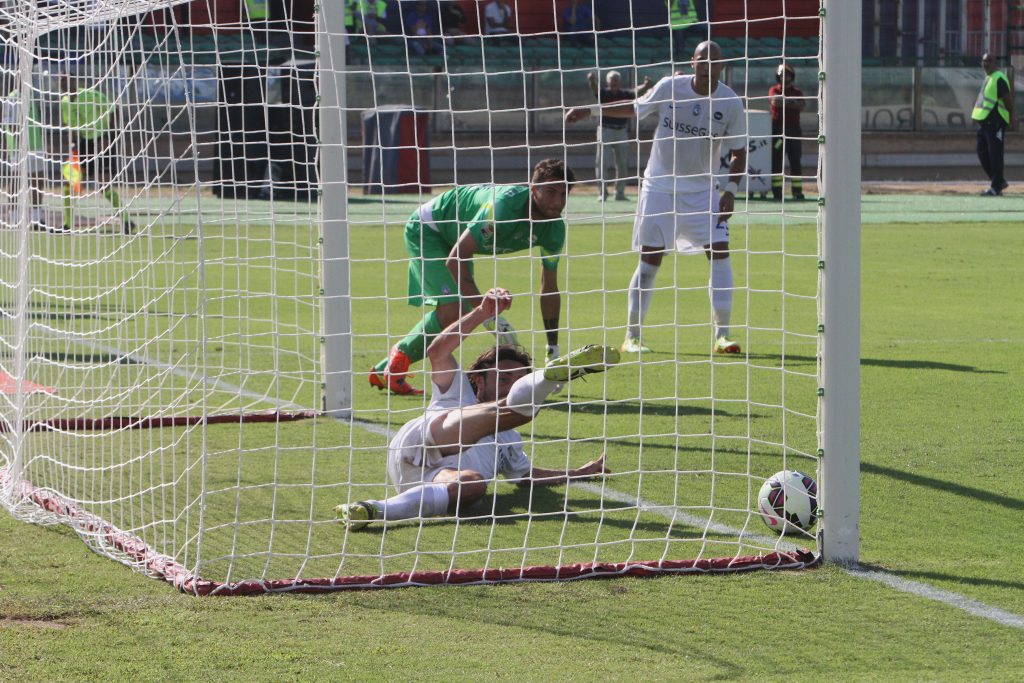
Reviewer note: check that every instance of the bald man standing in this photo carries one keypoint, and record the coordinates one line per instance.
(680, 207)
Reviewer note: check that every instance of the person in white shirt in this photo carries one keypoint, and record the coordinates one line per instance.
(497, 15)
(443, 461)
(696, 115)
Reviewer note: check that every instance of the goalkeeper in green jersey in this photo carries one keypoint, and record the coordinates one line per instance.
(86, 113)
(442, 237)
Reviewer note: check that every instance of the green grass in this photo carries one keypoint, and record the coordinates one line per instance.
(940, 492)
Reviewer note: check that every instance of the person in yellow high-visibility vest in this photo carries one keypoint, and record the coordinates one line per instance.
(683, 22)
(369, 16)
(88, 115)
(993, 111)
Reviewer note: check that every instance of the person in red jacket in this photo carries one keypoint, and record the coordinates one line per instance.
(786, 102)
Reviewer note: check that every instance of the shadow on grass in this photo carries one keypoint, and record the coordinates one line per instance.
(975, 494)
(882, 363)
(638, 407)
(926, 365)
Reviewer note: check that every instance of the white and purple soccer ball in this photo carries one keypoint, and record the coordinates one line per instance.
(788, 502)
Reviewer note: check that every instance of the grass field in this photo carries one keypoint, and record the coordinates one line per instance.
(940, 491)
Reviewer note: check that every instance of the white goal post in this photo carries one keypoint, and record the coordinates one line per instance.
(214, 218)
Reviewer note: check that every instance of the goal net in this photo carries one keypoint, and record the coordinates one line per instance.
(209, 213)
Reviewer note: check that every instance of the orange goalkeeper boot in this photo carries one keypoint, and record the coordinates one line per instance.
(395, 375)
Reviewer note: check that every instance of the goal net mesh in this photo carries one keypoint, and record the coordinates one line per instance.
(162, 345)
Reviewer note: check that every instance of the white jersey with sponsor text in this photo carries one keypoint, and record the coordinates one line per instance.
(691, 128)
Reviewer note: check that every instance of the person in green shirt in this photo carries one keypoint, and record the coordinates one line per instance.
(87, 115)
(442, 237)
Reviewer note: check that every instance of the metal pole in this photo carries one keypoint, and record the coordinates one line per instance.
(840, 282)
(336, 308)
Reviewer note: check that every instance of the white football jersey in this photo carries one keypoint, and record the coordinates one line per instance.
(691, 128)
(501, 453)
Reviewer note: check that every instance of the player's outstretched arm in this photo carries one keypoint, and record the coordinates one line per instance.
(545, 477)
(618, 111)
(441, 352)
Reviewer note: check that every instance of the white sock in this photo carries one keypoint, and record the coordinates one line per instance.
(527, 394)
(425, 500)
(721, 295)
(641, 291)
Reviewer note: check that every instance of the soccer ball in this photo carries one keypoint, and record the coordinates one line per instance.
(788, 502)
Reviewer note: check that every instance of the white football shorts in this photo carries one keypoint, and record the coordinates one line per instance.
(412, 457)
(683, 219)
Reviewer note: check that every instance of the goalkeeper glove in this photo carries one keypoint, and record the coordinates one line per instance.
(503, 330)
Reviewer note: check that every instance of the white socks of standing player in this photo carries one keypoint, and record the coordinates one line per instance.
(527, 394)
(721, 295)
(641, 291)
(425, 500)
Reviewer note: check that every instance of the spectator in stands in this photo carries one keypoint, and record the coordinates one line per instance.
(366, 16)
(613, 133)
(498, 18)
(419, 26)
(453, 18)
(786, 101)
(993, 111)
(685, 22)
(578, 20)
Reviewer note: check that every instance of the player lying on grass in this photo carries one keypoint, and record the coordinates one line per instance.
(444, 235)
(443, 461)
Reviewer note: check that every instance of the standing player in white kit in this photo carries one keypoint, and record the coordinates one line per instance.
(696, 114)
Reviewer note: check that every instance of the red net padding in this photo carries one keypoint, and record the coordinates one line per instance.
(115, 422)
(136, 552)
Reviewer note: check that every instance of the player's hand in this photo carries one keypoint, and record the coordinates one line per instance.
(577, 114)
(647, 81)
(495, 301)
(726, 204)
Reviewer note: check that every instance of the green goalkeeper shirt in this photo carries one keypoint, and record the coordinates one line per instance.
(498, 217)
(88, 113)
